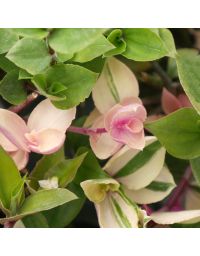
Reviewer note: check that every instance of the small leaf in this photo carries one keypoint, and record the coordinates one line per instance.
(45, 199)
(43, 166)
(30, 32)
(11, 89)
(24, 75)
(144, 44)
(97, 48)
(179, 133)
(6, 65)
(9, 178)
(63, 215)
(30, 54)
(188, 64)
(7, 39)
(72, 40)
(77, 80)
(115, 37)
(66, 170)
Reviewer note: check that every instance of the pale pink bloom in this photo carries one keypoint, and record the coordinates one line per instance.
(118, 109)
(124, 126)
(171, 103)
(44, 132)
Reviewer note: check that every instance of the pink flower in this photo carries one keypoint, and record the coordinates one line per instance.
(44, 132)
(171, 103)
(124, 123)
(118, 110)
(124, 126)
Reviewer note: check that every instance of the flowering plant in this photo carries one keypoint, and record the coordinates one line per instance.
(98, 127)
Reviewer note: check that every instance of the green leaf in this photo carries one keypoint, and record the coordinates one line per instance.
(159, 186)
(144, 44)
(195, 164)
(41, 201)
(115, 37)
(43, 166)
(188, 64)
(72, 40)
(37, 220)
(172, 68)
(31, 32)
(9, 178)
(97, 48)
(77, 80)
(11, 89)
(139, 160)
(62, 57)
(63, 215)
(45, 199)
(24, 75)
(30, 54)
(66, 170)
(7, 39)
(5, 64)
(90, 168)
(179, 133)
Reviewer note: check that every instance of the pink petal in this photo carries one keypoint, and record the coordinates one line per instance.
(20, 158)
(45, 142)
(184, 101)
(47, 116)
(6, 144)
(169, 102)
(13, 128)
(103, 145)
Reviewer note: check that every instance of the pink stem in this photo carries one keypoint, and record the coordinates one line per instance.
(86, 131)
(173, 200)
(16, 109)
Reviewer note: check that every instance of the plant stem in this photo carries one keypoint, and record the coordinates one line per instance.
(86, 131)
(16, 109)
(163, 75)
(173, 200)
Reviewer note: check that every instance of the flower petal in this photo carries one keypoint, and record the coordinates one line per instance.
(13, 128)
(169, 102)
(47, 116)
(149, 196)
(20, 158)
(96, 190)
(94, 114)
(46, 142)
(186, 217)
(6, 144)
(184, 100)
(142, 176)
(117, 212)
(116, 83)
(102, 144)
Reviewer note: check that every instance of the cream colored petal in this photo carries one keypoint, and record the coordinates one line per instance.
(20, 158)
(186, 217)
(6, 144)
(96, 190)
(148, 196)
(144, 175)
(46, 116)
(116, 83)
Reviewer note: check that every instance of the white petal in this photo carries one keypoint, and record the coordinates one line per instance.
(147, 196)
(46, 116)
(116, 79)
(186, 217)
(144, 175)
(111, 217)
